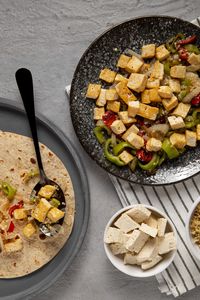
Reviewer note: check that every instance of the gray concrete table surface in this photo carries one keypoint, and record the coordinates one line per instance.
(49, 37)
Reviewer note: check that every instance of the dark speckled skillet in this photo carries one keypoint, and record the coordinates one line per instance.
(104, 52)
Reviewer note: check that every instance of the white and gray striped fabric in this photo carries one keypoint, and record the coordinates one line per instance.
(175, 200)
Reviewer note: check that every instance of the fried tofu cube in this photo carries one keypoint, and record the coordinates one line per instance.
(55, 214)
(98, 113)
(134, 65)
(153, 145)
(165, 92)
(157, 71)
(41, 210)
(162, 223)
(107, 75)
(14, 245)
(133, 108)
(178, 72)
(47, 191)
(145, 68)
(178, 140)
(101, 100)
(148, 51)
(166, 243)
(124, 93)
(124, 117)
(111, 95)
(118, 127)
(175, 85)
(148, 112)
(20, 214)
(150, 264)
(154, 95)
(153, 83)
(198, 132)
(149, 251)
(130, 259)
(139, 213)
(169, 104)
(137, 82)
(126, 223)
(148, 230)
(194, 59)
(123, 61)
(113, 235)
(182, 110)
(136, 241)
(176, 122)
(93, 91)
(126, 157)
(120, 77)
(162, 53)
(135, 140)
(191, 138)
(29, 230)
(131, 129)
(145, 97)
(113, 106)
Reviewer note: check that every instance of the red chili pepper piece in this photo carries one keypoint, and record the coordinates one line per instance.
(16, 206)
(189, 40)
(141, 133)
(183, 54)
(196, 100)
(144, 156)
(108, 118)
(140, 122)
(11, 227)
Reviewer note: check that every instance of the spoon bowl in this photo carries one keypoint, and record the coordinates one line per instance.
(25, 84)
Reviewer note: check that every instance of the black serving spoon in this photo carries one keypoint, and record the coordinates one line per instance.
(25, 84)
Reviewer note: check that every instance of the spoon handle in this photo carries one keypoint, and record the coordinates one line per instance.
(25, 84)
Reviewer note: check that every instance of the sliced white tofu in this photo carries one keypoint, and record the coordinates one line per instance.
(149, 251)
(126, 223)
(118, 248)
(162, 53)
(133, 108)
(162, 223)
(135, 140)
(118, 127)
(153, 145)
(139, 213)
(148, 51)
(137, 82)
(165, 91)
(152, 221)
(182, 110)
(148, 230)
(131, 129)
(113, 235)
(136, 241)
(191, 138)
(150, 264)
(166, 243)
(175, 85)
(178, 72)
(176, 122)
(130, 259)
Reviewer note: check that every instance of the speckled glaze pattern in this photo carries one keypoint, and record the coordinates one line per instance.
(104, 52)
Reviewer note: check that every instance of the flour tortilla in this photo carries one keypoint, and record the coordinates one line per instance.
(17, 157)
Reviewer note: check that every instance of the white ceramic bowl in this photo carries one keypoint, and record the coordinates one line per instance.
(134, 270)
(194, 248)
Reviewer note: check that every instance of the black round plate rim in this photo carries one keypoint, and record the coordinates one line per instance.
(72, 83)
(42, 286)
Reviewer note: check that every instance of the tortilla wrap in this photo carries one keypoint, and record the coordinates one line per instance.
(17, 158)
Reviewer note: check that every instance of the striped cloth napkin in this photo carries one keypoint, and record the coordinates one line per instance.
(175, 200)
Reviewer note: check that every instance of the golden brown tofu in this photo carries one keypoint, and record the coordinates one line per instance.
(137, 82)
(134, 65)
(101, 100)
(178, 72)
(148, 112)
(20, 214)
(55, 214)
(157, 71)
(111, 95)
(145, 97)
(47, 191)
(178, 140)
(123, 61)
(113, 106)
(135, 140)
(120, 77)
(198, 132)
(118, 127)
(154, 95)
(162, 53)
(124, 93)
(126, 157)
(131, 129)
(191, 138)
(124, 117)
(169, 104)
(14, 245)
(98, 113)
(41, 210)
(29, 230)
(148, 51)
(182, 110)
(107, 75)
(93, 91)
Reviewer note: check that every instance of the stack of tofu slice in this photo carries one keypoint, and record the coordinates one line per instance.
(140, 237)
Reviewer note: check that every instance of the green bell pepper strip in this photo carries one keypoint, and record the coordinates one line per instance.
(150, 166)
(112, 158)
(195, 114)
(120, 147)
(182, 94)
(169, 149)
(55, 202)
(170, 44)
(192, 48)
(162, 159)
(8, 190)
(133, 164)
(98, 131)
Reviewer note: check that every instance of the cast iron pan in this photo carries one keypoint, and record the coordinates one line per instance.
(104, 52)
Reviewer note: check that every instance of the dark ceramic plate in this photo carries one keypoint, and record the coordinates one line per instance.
(104, 52)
